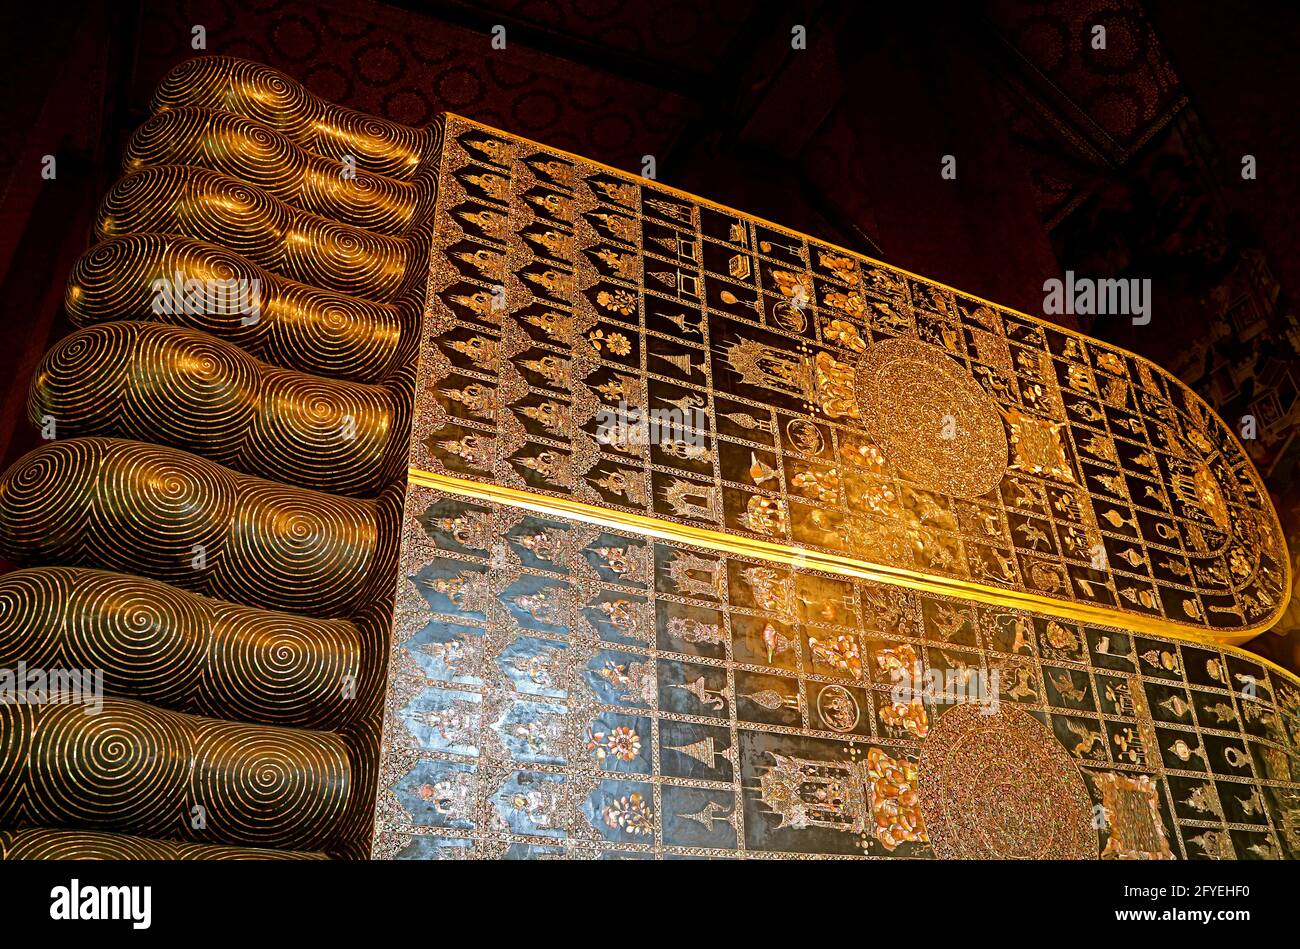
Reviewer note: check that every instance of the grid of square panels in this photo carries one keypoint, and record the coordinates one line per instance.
(561, 689)
(594, 336)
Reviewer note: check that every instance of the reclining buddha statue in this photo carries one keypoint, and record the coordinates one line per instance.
(435, 493)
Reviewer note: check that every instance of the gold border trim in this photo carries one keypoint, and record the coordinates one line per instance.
(848, 566)
(791, 556)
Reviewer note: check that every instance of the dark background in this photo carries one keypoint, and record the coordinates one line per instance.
(1117, 162)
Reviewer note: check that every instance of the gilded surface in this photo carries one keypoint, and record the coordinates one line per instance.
(210, 525)
(192, 653)
(208, 206)
(614, 645)
(559, 688)
(42, 844)
(190, 390)
(261, 94)
(998, 783)
(820, 400)
(697, 505)
(147, 768)
(906, 386)
(124, 505)
(251, 151)
(301, 326)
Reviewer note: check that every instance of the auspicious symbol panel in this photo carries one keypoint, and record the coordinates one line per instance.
(563, 689)
(819, 400)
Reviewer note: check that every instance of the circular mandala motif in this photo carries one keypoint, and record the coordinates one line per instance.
(1000, 786)
(932, 419)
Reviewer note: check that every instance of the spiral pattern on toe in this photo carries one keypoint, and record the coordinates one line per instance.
(167, 514)
(267, 95)
(180, 650)
(41, 505)
(283, 669)
(298, 550)
(300, 327)
(252, 778)
(212, 207)
(187, 389)
(149, 644)
(251, 312)
(344, 258)
(40, 843)
(155, 510)
(255, 153)
(145, 770)
(119, 767)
